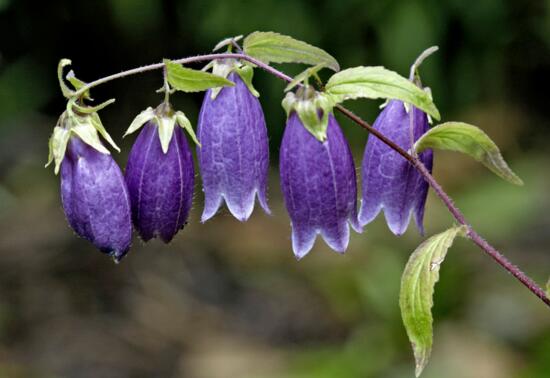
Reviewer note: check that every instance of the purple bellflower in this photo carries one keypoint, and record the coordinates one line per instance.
(95, 198)
(234, 153)
(319, 185)
(160, 174)
(390, 183)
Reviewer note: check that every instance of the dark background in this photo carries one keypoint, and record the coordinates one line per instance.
(226, 299)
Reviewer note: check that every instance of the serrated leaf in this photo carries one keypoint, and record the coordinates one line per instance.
(142, 118)
(57, 147)
(184, 123)
(277, 48)
(378, 82)
(166, 130)
(188, 80)
(304, 75)
(471, 140)
(96, 122)
(417, 288)
(89, 135)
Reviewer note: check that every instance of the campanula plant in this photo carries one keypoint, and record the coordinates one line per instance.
(317, 171)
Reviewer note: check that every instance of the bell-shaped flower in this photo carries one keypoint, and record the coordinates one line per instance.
(234, 153)
(93, 191)
(160, 173)
(390, 183)
(317, 176)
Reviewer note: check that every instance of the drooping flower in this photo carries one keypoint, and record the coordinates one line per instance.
(95, 198)
(234, 153)
(319, 185)
(93, 191)
(160, 173)
(390, 183)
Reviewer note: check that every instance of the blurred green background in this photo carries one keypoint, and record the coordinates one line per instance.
(226, 299)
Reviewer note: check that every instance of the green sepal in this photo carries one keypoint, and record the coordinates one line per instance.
(224, 68)
(98, 125)
(417, 288)
(88, 133)
(308, 103)
(246, 73)
(166, 125)
(78, 84)
(91, 109)
(304, 76)
(67, 92)
(471, 140)
(227, 42)
(185, 124)
(57, 147)
(140, 120)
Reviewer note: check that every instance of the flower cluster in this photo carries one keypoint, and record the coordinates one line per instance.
(317, 171)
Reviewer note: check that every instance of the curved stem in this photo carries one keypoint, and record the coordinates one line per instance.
(413, 160)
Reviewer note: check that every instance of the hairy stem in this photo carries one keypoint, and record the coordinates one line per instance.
(412, 159)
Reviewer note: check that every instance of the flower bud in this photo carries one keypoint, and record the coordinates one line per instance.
(389, 181)
(234, 157)
(95, 198)
(160, 177)
(319, 185)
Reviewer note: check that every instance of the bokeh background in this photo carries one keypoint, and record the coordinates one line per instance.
(227, 299)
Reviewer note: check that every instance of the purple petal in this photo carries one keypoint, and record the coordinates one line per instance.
(389, 181)
(319, 186)
(160, 184)
(95, 198)
(234, 157)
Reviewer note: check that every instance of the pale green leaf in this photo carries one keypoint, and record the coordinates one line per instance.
(184, 123)
(67, 92)
(277, 48)
(57, 146)
(166, 130)
(88, 133)
(96, 122)
(471, 140)
(91, 109)
(78, 84)
(378, 82)
(142, 118)
(188, 80)
(417, 288)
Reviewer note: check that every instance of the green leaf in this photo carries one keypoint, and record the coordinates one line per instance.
(143, 117)
(188, 80)
(417, 288)
(378, 82)
(67, 92)
(277, 48)
(471, 140)
(304, 76)
(184, 123)
(77, 84)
